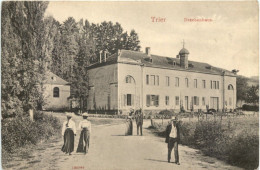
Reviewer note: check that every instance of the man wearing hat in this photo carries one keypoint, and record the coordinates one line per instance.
(173, 139)
(85, 127)
(68, 132)
(139, 121)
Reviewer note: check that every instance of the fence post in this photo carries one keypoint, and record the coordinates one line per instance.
(31, 114)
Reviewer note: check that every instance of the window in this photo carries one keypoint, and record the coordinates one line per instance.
(187, 82)
(230, 101)
(129, 100)
(152, 79)
(129, 79)
(203, 101)
(167, 81)
(196, 100)
(195, 83)
(177, 100)
(157, 80)
(56, 92)
(204, 84)
(176, 81)
(167, 100)
(230, 87)
(214, 84)
(152, 100)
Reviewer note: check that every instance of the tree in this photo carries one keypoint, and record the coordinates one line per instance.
(252, 95)
(242, 87)
(132, 42)
(110, 37)
(23, 55)
(82, 60)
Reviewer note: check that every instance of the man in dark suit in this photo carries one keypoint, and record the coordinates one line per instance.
(173, 139)
(139, 121)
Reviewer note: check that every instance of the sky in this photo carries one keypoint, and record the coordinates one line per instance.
(229, 41)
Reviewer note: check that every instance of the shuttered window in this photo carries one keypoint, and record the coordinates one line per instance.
(196, 100)
(128, 100)
(152, 100)
(176, 81)
(195, 83)
(157, 80)
(187, 82)
(203, 101)
(167, 81)
(167, 102)
(177, 100)
(148, 100)
(147, 79)
(204, 83)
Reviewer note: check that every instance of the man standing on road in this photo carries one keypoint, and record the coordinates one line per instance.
(173, 139)
(139, 121)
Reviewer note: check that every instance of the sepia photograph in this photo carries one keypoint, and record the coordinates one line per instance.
(130, 85)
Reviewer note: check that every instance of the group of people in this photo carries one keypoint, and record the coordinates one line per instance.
(172, 132)
(138, 115)
(69, 131)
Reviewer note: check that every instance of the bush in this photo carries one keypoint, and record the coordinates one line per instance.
(223, 140)
(20, 131)
(244, 151)
(247, 107)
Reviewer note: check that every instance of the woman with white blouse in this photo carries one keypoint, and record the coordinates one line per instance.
(85, 127)
(68, 132)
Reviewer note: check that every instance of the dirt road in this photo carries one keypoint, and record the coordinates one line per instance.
(110, 149)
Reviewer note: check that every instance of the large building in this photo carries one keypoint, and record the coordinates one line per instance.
(130, 79)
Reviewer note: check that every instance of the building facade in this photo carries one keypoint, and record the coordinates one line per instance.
(56, 93)
(132, 79)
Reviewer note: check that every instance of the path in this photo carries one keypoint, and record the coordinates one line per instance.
(110, 149)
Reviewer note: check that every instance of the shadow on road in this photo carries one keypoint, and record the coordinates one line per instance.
(157, 160)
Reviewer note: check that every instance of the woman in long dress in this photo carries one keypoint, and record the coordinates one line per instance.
(68, 132)
(129, 126)
(85, 127)
(129, 123)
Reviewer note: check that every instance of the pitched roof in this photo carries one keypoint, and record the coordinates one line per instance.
(52, 78)
(134, 57)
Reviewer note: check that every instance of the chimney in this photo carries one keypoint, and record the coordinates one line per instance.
(234, 71)
(100, 56)
(148, 51)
